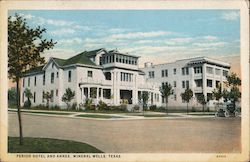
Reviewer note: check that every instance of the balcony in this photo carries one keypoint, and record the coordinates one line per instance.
(92, 81)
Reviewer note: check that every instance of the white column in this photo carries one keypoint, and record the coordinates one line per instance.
(204, 80)
(97, 93)
(88, 92)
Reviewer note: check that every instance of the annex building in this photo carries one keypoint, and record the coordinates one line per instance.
(201, 74)
(104, 75)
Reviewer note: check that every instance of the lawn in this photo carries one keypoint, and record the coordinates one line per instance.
(208, 114)
(41, 112)
(48, 145)
(98, 116)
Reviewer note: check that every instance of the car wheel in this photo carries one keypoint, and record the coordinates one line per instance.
(226, 114)
(236, 114)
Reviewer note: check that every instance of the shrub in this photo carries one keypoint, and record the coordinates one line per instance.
(56, 107)
(152, 107)
(27, 104)
(89, 105)
(74, 106)
(136, 107)
(193, 109)
(103, 106)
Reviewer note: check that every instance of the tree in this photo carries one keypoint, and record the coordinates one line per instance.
(25, 45)
(145, 97)
(202, 100)
(186, 96)
(232, 92)
(47, 96)
(28, 95)
(217, 93)
(166, 90)
(68, 96)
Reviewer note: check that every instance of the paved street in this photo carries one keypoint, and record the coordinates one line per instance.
(137, 136)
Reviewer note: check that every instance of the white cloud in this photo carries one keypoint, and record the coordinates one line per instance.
(134, 35)
(210, 38)
(70, 41)
(62, 31)
(26, 16)
(230, 16)
(210, 44)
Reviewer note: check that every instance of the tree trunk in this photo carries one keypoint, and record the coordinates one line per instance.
(203, 108)
(19, 112)
(187, 107)
(166, 105)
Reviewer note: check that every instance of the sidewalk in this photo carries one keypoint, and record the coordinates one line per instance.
(117, 116)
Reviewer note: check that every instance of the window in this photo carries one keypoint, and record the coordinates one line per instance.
(183, 84)
(23, 82)
(217, 71)
(217, 83)
(175, 97)
(209, 83)
(35, 81)
(107, 93)
(151, 74)
(52, 95)
(28, 81)
(43, 79)
(166, 73)
(162, 73)
(57, 74)
(183, 71)
(225, 73)
(187, 71)
(209, 70)
(187, 84)
(174, 83)
(126, 77)
(90, 74)
(43, 97)
(107, 75)
(34, 97)
(69, 76)
(56, 92)
(198, 82)
(23, 97)
(198, 70)
(174, 71)
(52, 78)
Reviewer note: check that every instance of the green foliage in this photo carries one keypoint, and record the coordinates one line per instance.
(23, 49)
(152, 107)
(74, 106)
(25, 45)
(68, 96)
(187, 95)
(233, 80)
(136, 107)
(103, 106)
(202, 100)
(28, 95)
(166, 90)
(89, 104)
(217, 93)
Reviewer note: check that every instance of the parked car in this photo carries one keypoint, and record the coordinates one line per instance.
(227, 110)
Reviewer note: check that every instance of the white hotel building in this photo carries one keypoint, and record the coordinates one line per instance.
(200, 74)
(104, 75)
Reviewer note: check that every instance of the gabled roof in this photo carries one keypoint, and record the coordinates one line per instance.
(94, 52)
(34, 70)
(79, 59)
(60, 62)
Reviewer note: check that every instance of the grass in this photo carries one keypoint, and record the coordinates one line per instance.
(159, 115)
(48, 145)
(41, 112)
(98, 116)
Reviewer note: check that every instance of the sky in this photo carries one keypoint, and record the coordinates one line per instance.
(157, 36)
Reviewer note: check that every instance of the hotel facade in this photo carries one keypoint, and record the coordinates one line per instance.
(201, 74)
(112, 77)
(109, 76)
